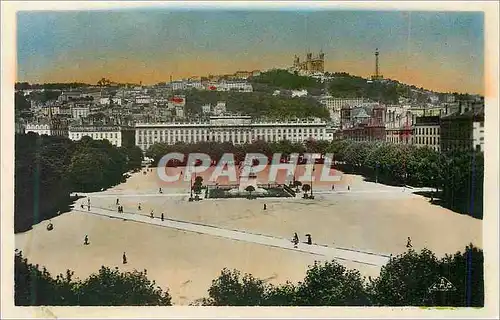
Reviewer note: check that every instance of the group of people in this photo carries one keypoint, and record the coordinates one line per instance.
(333, 187)
(295, 239)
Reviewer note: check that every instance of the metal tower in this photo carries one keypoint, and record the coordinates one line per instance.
(377, 75)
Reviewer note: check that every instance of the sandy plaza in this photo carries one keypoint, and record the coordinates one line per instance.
(360, 228)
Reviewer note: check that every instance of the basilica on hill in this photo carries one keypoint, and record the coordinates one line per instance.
(311, 65)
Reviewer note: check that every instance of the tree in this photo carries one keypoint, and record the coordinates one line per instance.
(110, 287)
(197, 186)
(297, 184)
(466, 272)
(405, 280)
(34, 287)
(230, 289)
(250, 189)
(20, 102)
(331, 284)
(306, 188)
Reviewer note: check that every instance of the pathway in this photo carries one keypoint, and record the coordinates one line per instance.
(367, 258)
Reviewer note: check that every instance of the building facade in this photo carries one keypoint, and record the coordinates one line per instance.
(478, 135)
(427, 132)
(311, 64)
(117, 135)
(235, 129)
(80, 111)
(50, 127)
(463, 132)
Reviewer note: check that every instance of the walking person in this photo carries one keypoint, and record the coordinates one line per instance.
(151, 214)
(333, 187)
(408, 243)
(309, 240)
(162, 217)
(117, 201)
(160, 191)
(124, 258)
(295, 240)
(265, 206)
(139, 207)
(348, 188)
(86, 240)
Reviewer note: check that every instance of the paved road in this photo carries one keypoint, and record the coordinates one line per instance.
(327, 252)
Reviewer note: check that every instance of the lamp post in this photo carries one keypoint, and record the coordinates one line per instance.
(312, 176)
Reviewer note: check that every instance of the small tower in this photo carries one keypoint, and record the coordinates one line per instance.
(377, 75)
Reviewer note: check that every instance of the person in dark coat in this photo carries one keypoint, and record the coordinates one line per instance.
(86, 240)
(124, 258)
(408, 243)
(265, 206)
(295, 240)
(162, 217)
(309, 240)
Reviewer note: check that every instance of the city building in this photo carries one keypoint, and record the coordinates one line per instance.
(310, 65)
(143, 99)
(334, 105)
(178, 85)
(51, 127)
(79, 110)
(235, 129)
(107, 101)
(220, 108)
(463, 131)
(69, 95)
(299, 93)
(20, 125)
(427, 132)
(363, 123)
(206, 108)
(179, 112)
(115, 134)
(398, 125)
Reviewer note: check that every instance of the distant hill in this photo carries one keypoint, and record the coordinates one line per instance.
(344, 85)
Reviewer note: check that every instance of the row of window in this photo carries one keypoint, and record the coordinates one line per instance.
(205, 131)
(220, 138)
(397, 139)
(100, 135)
(426, 131)
(426, 140)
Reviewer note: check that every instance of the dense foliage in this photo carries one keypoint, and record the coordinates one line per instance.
(107, 287)
(49, 168)
(257, 104)
(282, 79)
(404, 281)
(457, 177)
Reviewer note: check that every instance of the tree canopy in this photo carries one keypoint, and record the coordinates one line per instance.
(49, 168)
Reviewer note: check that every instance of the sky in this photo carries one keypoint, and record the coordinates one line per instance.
(441, 51)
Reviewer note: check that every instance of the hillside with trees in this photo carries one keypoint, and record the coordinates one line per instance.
(257, 104)
(277, 79)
